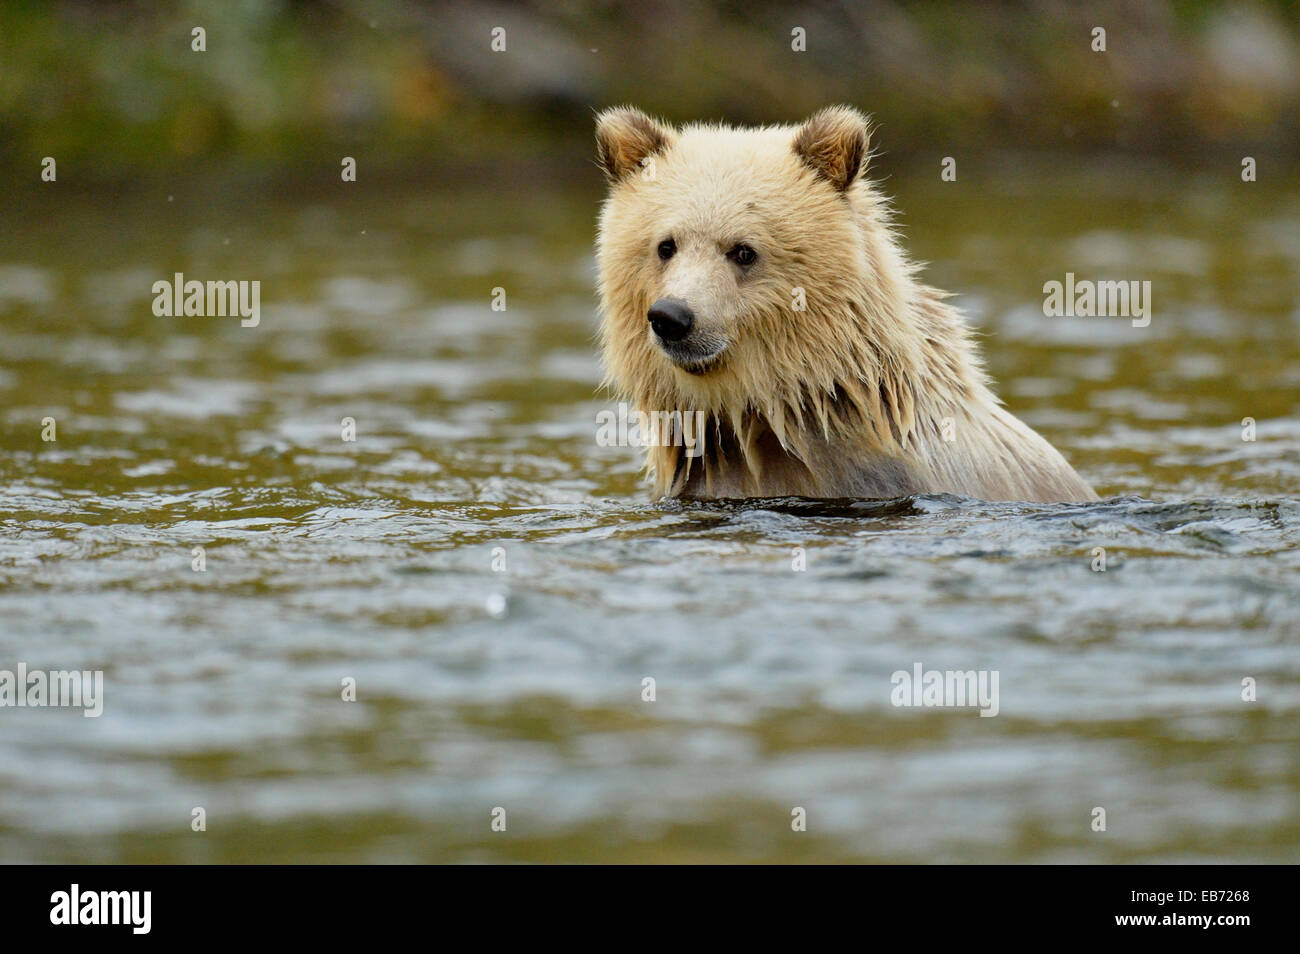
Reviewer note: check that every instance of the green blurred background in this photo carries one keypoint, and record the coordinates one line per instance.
(114, 91)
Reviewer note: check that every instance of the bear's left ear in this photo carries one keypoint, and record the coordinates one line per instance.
(625, 136)
(833, 143)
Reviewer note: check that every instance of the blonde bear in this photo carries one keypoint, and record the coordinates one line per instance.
(751, 276)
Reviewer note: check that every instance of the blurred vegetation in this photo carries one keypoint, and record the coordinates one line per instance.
(114, 91)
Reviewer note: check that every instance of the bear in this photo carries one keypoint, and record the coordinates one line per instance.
(753, 277)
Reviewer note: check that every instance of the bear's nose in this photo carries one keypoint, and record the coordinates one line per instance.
(671, 319)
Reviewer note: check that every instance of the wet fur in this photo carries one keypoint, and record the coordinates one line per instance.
(845, 399)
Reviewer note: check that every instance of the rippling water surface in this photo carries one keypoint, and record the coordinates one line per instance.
(520, 686)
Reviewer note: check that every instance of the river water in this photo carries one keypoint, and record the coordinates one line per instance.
(498, 586)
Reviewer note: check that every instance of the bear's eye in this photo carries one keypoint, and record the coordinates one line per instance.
(667, 249)
(743, 255)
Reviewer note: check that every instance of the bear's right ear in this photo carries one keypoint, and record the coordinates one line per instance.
(625, 136)
(833, 143)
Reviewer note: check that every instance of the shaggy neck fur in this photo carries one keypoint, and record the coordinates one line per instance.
(856, 382)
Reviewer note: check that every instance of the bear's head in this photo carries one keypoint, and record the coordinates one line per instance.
(743, 271)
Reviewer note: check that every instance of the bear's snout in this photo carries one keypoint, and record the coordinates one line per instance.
(671, 319)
